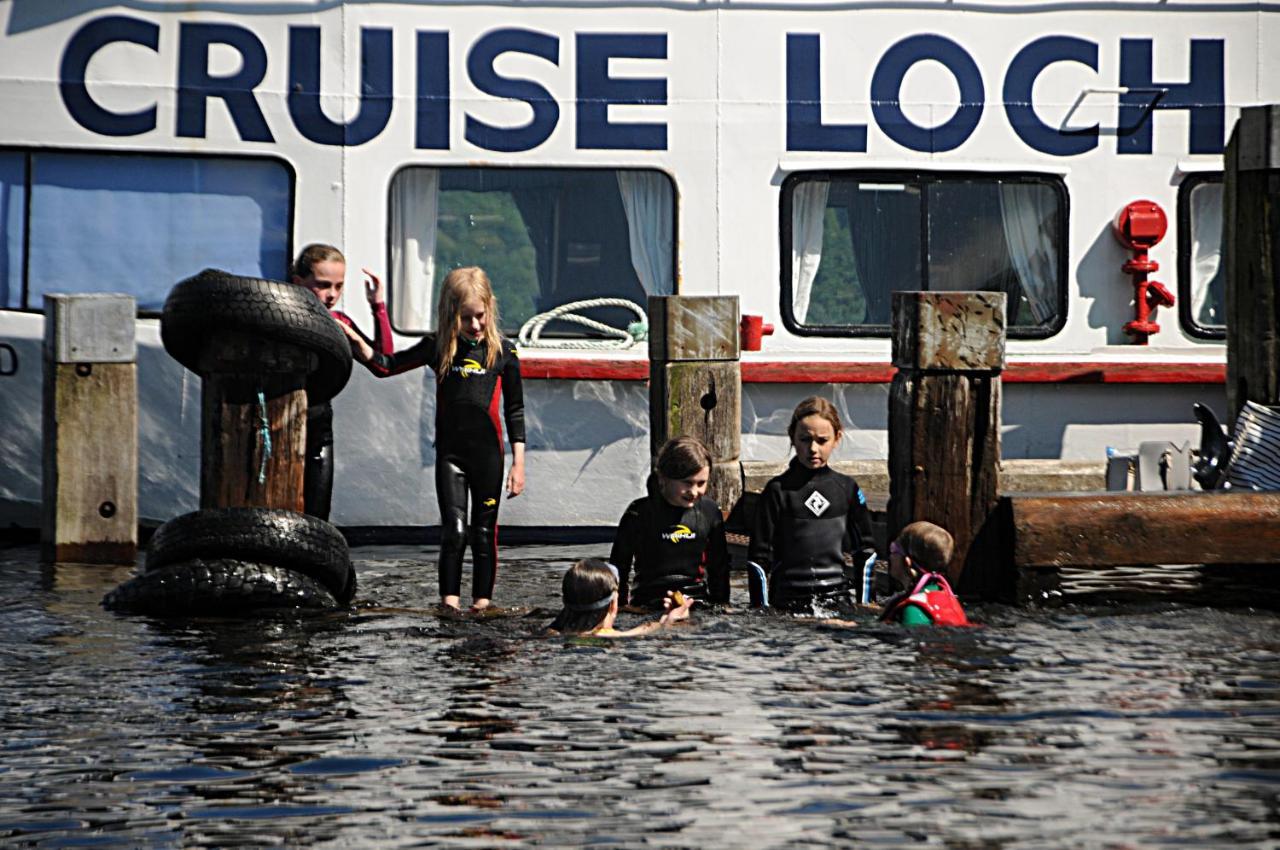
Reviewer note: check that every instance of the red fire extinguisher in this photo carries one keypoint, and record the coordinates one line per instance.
(1140, 226)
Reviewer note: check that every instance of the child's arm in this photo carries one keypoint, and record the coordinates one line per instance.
(373, 290)
(860, 521)
(760, 551)
(386, 365)
(718, 560)
(624, 551)
(675, 613)
(513, 414)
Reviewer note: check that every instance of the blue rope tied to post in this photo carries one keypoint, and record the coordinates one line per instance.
(264, 430)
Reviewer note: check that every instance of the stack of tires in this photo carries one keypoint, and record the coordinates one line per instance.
(237, 560)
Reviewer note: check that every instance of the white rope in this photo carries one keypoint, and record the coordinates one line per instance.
(620, 338)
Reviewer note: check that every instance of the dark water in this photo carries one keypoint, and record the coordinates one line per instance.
(1151, 725)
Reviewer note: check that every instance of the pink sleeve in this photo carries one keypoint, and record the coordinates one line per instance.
(382, 341)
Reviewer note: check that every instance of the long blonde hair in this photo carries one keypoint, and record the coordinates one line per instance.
(458, 286)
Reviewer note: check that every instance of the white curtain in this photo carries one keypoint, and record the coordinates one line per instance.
(415, 199)
(1206, 254)
(1026, 211)
(808, 208)
(646, 199)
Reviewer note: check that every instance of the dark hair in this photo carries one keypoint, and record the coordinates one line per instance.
(587, 589)
(682, 457)
(815, 406)
(929, 546)
(316, 252)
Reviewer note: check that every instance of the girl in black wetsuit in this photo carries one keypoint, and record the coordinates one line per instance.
(674, 535)
(474, 366)
(809, 517)
(322, 269)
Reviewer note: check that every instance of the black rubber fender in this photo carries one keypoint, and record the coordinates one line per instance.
(219, 586)
(201, 307)
(280, 538)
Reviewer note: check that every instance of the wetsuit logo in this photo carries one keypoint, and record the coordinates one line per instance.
(680, 532)
(469, 367)
(817, 503)
(488, 503)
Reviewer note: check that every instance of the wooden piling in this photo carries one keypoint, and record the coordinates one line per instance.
(695, 382)
(1251, 254)
(944, 416)
(254, 423)
(90, 439)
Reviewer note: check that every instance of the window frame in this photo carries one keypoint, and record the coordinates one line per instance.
(585, 334)
(29, 150)
(1188, 323)
(922, 176)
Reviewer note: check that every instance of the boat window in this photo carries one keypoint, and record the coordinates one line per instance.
(545, 236)
(95, 222)
(1202, 300)
(854, 238)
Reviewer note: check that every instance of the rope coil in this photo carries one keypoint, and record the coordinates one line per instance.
(619, 338)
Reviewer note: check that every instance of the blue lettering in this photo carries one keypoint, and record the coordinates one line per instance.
(1020, 80)
(546, 112)
(597, 91)
(431, 120)
(87, 41)
(886, 85)
(805, 130)
(1204, 96)
(304, 88)
(196, 85)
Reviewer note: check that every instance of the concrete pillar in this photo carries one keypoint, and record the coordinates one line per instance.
(90, 440)
(695, 382)
(944, 414)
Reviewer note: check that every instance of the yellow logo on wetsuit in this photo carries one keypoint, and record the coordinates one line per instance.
(680, 532)
(469, 367)
(488, 503)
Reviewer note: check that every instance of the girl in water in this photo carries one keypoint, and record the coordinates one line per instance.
(322, 269)
(809, 517)
(474, 365)
(674, 535)
(590, 592)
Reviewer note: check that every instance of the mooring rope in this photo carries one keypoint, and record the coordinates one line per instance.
(264, 431)
(620, 338)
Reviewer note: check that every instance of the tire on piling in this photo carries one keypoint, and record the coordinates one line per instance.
(219, 586)
(280, 538)
(213, 302)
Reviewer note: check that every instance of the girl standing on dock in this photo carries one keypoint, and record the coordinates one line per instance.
(322, 269)
(474, 366)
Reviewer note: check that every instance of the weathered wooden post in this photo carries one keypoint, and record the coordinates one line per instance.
(695, 382)
(944, 414)
(254, 415)
(90, 442)
(1251, 253)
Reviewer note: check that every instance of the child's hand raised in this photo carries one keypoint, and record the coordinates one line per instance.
(373, 289)
(677, 607)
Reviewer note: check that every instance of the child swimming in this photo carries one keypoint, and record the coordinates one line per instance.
(674, 535)
(917, 560)
(474, 365)
(590, 597)
(809, 517)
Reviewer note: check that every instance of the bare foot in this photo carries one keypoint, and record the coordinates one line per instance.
(480, 605)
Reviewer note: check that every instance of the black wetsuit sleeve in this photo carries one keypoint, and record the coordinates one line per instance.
(422, 353)
(718, 560)
(859, 523)
(513, 398)
(770, 508)
(624, 551)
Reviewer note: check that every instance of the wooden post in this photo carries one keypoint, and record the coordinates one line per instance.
(1251, 248)
(253, 389)
(695, 382)
(944, 414)
(90, 441)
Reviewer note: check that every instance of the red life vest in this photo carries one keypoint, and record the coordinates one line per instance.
(940, 606)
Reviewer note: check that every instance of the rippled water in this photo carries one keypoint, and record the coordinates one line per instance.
(387, 726)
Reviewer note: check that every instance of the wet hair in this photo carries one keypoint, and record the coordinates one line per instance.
(929, 546)
(316, 252)
(458, 286)
(682, 457)
(587, 589)
(815, 406)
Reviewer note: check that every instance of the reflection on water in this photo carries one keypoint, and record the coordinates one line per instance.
(387, 726)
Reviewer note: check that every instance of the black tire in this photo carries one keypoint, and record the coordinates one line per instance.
(217, 587)
(199, 308)
(280, 538)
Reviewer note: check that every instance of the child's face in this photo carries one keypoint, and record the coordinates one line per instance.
(814, 440)
(684, 492)
(326, 280)
(899, 568)
(473, 318)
